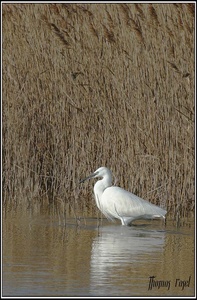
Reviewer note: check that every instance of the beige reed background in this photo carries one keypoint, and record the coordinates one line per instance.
(90, 85)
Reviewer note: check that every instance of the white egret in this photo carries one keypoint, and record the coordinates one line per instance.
(115, 202)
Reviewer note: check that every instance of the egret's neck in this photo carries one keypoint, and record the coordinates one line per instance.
(101, 185)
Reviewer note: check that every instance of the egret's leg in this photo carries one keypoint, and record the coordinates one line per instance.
(119, 217)
(122, 221)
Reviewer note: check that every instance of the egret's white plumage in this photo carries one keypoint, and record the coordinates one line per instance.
(115, 202)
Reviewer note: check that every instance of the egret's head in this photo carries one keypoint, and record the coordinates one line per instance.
(100, 172)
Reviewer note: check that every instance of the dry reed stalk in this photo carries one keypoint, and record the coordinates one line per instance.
(139, 35)
(70, 9)
(109, 35)
(191, 9)
(175, 67)
(153, 14)
(87, 11)
(180, 22)
(55, 8)
(126, 12)
(60, 35)
(93, 30)
(140, 11)
(110, 20)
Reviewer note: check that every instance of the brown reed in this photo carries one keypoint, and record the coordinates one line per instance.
(73, 102)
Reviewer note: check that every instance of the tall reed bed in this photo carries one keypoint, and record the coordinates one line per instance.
(90, 85)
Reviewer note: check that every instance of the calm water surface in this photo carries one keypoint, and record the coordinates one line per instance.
(42, 257)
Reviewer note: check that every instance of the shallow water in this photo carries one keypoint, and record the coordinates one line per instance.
(42, 257)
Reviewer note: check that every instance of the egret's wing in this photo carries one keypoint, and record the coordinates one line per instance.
(117, 201)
